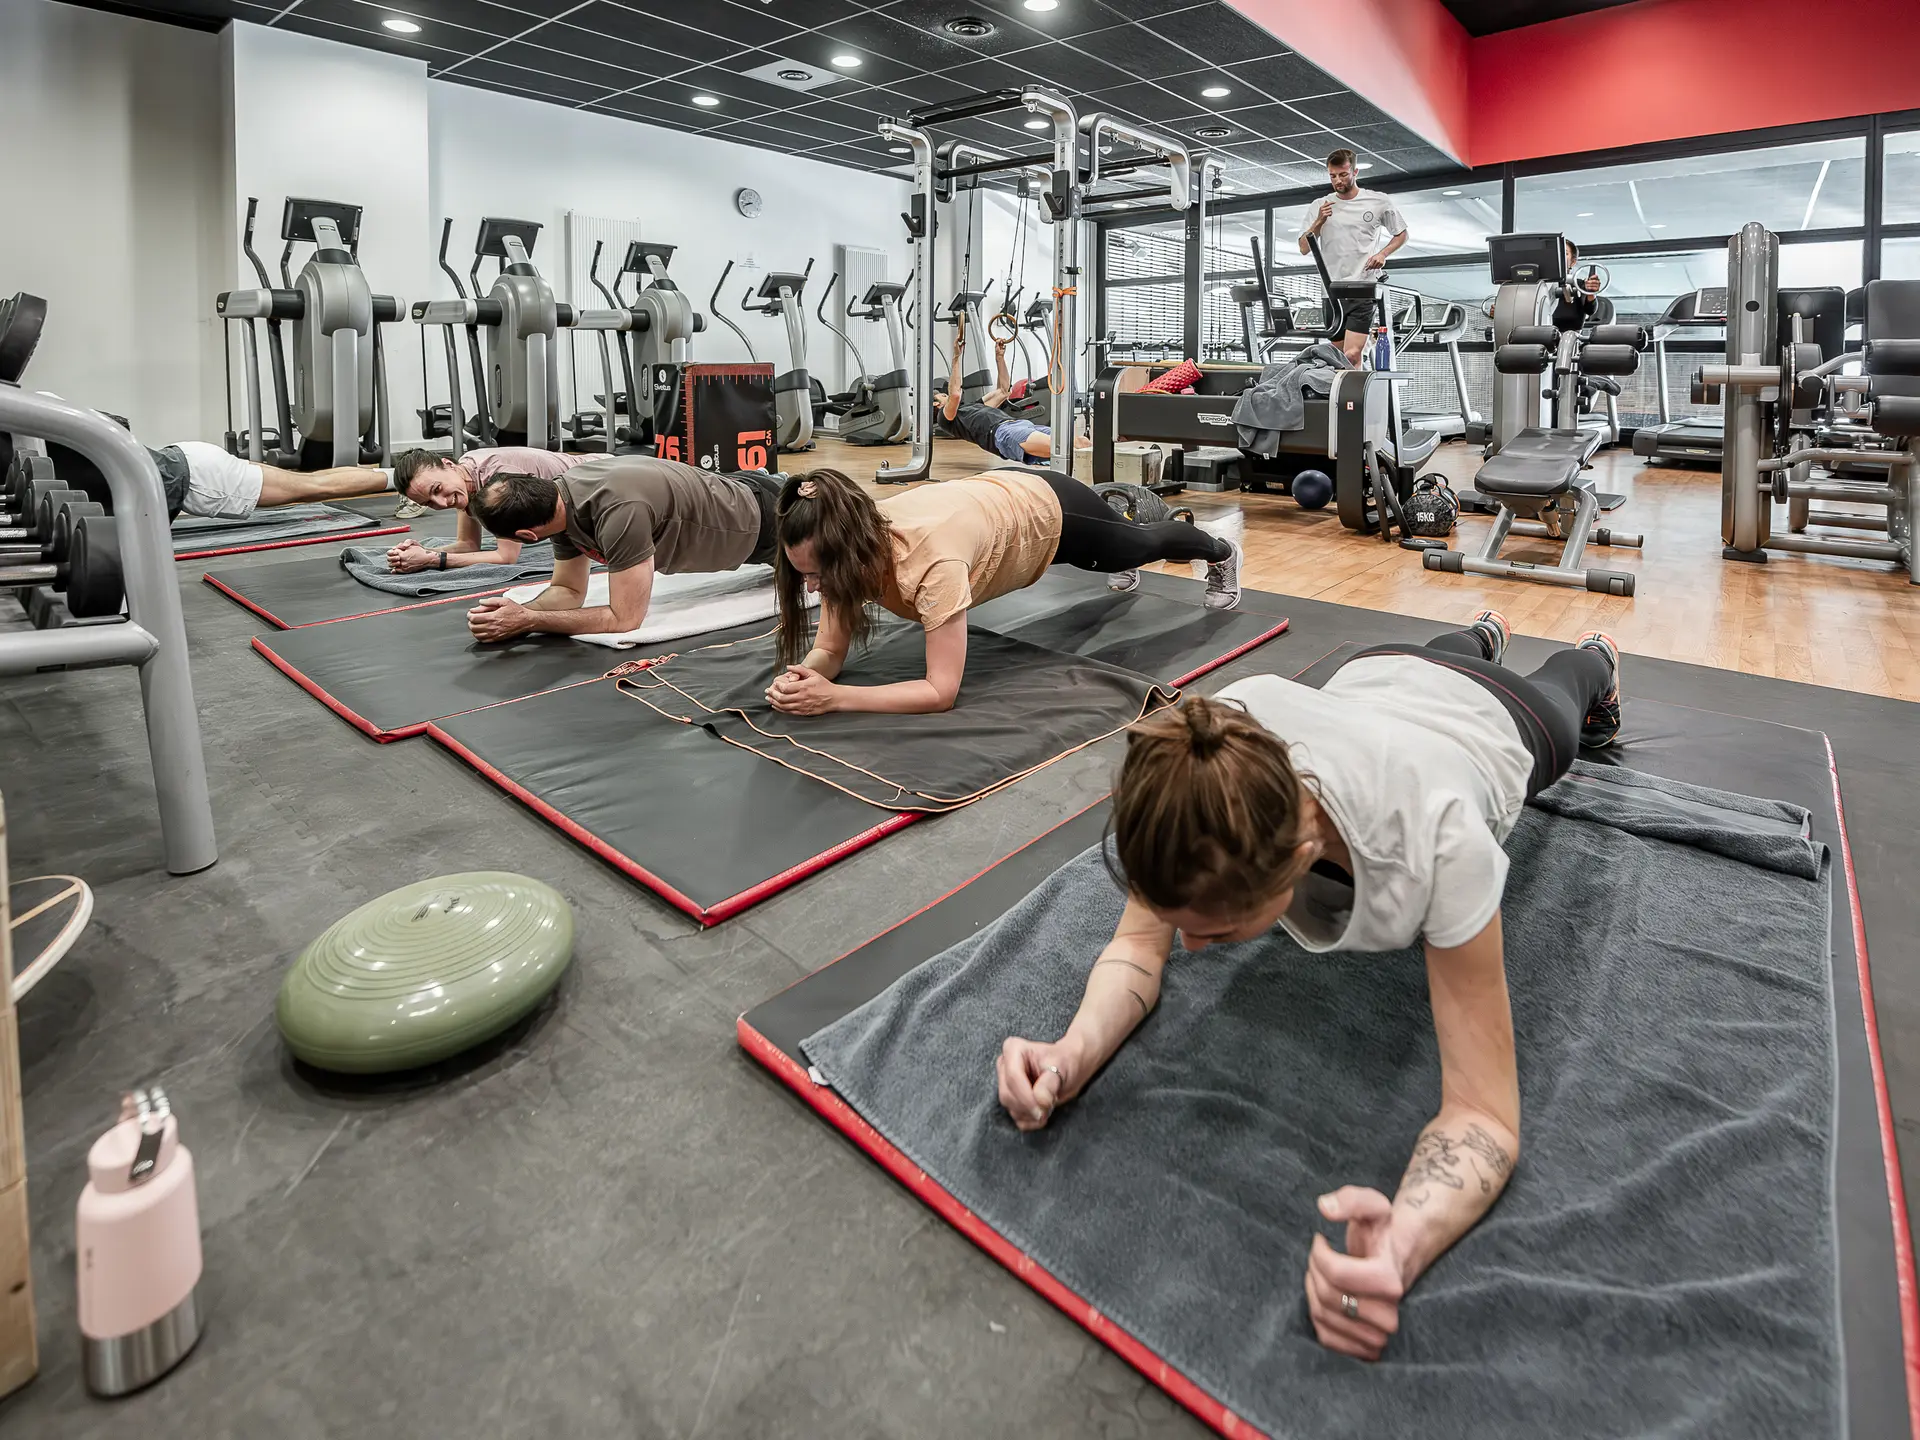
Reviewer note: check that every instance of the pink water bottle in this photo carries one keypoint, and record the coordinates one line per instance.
(138, 1234)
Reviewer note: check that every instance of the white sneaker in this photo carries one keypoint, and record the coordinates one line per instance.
(1223, 581)
(1121, 581)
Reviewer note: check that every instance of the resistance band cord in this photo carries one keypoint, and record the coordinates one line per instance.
(1056, 362)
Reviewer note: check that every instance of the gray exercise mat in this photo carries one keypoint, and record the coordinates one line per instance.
(369, 567)
(203, 534)
(1663, 1260)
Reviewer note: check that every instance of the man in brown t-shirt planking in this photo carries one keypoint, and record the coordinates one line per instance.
(636, 515)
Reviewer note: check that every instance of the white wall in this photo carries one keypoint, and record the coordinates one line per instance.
(326, 121)
(497, 154)
(111, 133)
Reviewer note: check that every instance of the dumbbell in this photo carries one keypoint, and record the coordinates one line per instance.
(89, 573)
(24, 544)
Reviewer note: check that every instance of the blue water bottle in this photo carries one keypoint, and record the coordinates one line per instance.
(1382, 350)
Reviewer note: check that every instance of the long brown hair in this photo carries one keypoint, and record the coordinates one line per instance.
(1207, 810)
(852, 545)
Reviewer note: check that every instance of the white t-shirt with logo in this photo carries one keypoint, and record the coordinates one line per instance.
(1424, 774)
(1352, 231)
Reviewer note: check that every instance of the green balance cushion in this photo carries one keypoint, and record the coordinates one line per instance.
(424, 972)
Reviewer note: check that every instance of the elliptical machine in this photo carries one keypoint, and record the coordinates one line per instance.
(520, 382)
(872, 407)
(658, 325)
(780, 294)
(331, 407)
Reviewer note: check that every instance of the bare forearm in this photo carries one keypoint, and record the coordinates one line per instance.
(1460, 1165)
(1121, 992)
(905, 697)
(824, 662)
(592, 620)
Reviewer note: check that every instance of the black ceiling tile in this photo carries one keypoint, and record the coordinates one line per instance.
(629, 107)
(1064, 66)
(1276, 122)
(1118, 10)
(1388, 135)
(805, 14)
(538, 9)
(925, 90)
(819, 50)
(777, 135)
(491, 72)
(853, 158)
(820, 128)
(734, 90)
(980, 75)
(1217, 34)
(899, 41)
(1416, 162)
(739, 25)
(626, 23)
(861, 114)
(357, 25)
(1282, 77)
(476, 15)
(1136, 50)
(1010, 28)
(1341, 112)
(608, 50)
(554, 62)
(1262, 152)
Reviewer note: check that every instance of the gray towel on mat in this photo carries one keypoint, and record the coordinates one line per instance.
(282, 522)
(1663, 1260)
(369, 567)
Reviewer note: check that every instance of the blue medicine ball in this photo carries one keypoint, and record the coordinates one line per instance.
(1312, 489)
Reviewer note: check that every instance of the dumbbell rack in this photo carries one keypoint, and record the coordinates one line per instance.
(154, 637)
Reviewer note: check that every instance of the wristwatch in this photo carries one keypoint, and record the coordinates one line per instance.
(443, 559)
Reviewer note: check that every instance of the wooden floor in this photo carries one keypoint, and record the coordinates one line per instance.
(1846, 623)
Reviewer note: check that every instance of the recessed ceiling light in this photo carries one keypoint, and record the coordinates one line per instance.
(1364, 165)
(401, 27)
(1584, 215)
(708, 101)
(1038, 124)
(1661, 226)
(899, 149)
(847, 62)
(1449, 192)
(1216, 92)
(1659, 264)
(1043, 4)
(798, 77)
(969, 27)
(1212, 132)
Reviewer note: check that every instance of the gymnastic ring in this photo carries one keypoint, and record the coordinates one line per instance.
(1013, 328)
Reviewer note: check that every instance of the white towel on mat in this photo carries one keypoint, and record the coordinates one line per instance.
(684, 605)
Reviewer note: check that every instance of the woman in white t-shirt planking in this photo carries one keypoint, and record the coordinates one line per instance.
(1360, 816)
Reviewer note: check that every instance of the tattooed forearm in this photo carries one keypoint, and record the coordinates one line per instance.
(1473, 1158)
(1116, 960)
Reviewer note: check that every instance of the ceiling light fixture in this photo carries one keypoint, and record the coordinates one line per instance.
(706, 101)
(1038, 124)
(401, 27)
(1216, 92)
(1364, 165)
(1661, 226)
(798, 77)
(847, 62)
(1043, 4)
(899, 150)
(969, 27)
(1584, 215)
(1212, 132)
(1449, 192)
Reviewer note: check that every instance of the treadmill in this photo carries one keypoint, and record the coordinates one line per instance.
(1683, 442)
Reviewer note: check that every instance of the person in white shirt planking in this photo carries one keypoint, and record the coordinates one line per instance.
(1350, 223)
(1359, 817)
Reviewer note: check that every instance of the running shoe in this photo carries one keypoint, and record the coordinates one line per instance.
(1223, 581)
(409, 510)
(1494, 632)
(1601, 726)
(1121, 581)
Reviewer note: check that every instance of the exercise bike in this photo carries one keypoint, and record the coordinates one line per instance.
(870, 410)
(780, 295)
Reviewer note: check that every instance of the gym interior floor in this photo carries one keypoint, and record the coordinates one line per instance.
(611, 1222)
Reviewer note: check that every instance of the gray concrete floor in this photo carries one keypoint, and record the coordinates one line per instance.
(612, 1222)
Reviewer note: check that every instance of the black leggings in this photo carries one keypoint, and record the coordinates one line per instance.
(1548, 707)
(1092, 537)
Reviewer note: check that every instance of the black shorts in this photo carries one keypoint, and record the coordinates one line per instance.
(1357, 316)
(766, 489)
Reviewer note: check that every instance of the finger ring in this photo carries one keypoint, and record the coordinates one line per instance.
(1349, 1307)
(1054, 1068)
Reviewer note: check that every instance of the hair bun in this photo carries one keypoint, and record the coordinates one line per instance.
(1206, 727)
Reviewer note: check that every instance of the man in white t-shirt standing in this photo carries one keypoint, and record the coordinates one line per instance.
(1350, 223)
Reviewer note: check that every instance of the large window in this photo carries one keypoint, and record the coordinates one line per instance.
(1230, 246)
(1145, 274)
(1816, 185)
(1900, 188)
(1900, 259)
